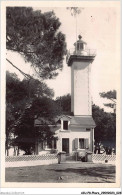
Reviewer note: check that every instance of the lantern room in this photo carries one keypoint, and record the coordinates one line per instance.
(80, 46)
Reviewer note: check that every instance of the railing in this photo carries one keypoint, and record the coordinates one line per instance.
(86, 52)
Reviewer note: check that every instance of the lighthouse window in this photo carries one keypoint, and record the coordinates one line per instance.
(65, 125)
(77, 46)
(81, 45)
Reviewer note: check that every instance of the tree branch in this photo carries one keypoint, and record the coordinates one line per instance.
(26, 75)
(113, 100)
(28, 52)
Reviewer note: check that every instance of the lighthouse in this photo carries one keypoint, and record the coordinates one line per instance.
(75, 132)
(80, 60)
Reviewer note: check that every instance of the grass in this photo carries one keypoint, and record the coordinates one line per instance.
(63, 173)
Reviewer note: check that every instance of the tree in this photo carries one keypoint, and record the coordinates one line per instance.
(64, 103)
(111, 95)
(36, 88)
(74, 10)
(26, 134)
(105, 124)
(22, 92)
(36, 37)
(16, 97)
(19, 97)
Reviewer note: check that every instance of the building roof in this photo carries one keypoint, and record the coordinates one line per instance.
(83, 121)
(80, 41)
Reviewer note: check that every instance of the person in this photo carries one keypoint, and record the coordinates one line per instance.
(109, 150)
(102, 149)
(97, 148)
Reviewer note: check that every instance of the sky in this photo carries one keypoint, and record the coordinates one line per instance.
(99, 28)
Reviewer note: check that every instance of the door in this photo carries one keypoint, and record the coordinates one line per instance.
(65, 145)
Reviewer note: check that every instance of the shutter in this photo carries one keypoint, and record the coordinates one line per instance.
(76, 143)
(86, 143)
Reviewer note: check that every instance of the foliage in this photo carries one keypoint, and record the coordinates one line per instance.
(64, 102)
(37, 38)
(20, 93)
(16, 97)
(24, 132)
(36, 88)
(111, 95)
(105, 124)
(15, 89)
(74, 10)
(44, 107)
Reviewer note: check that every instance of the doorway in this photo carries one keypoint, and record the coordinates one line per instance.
(65, 145)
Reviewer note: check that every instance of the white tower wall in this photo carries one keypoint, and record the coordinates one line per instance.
(80, 88)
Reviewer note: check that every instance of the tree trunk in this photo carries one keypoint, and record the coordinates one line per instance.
(18, 151)
(7, 151)
(7, 148)
(14, 151)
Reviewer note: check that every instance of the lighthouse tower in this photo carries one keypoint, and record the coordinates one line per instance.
(80, 60)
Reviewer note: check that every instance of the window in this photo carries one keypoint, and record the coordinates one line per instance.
(87, 129)
(80, 46)
(65, 125)
(81, 144)
(49, 144)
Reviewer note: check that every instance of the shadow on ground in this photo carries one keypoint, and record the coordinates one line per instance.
(63, 173)
(104, 173)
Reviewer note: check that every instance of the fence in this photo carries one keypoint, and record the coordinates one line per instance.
(102, 158)
(46, 159)
(30, 160)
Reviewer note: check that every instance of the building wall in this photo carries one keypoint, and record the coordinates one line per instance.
(92, 140)
(80, 88)
(72, 135)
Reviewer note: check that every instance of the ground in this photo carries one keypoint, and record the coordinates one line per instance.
(63, 173)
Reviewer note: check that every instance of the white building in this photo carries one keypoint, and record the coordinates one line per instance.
(76, 132)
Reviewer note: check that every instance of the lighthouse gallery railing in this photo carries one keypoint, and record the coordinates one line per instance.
(86, 52)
